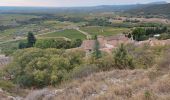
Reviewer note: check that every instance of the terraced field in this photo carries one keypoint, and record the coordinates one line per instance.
(105, 31)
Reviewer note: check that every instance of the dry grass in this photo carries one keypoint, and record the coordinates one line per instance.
(119, 85)
(162, 85)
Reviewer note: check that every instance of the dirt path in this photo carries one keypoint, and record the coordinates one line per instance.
(88, 36)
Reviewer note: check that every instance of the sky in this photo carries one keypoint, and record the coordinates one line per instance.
(71, 3)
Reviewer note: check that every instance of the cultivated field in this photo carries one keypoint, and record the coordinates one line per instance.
(68, 33)
(105, 31)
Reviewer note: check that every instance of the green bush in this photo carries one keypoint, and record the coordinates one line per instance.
(122, 59)
(42, 67)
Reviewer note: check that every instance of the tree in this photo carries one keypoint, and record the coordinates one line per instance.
(97, 52)
(139, 34)
(31, 39)
(123, 60)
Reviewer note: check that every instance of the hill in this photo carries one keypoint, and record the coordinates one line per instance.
(156, 9)
(159, 2)
(52, 10)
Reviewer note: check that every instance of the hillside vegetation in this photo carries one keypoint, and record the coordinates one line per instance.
(130, 72)
(107, 52)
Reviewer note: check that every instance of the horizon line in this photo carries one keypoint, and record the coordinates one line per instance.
(79, 6)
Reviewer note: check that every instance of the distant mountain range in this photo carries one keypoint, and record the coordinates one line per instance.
(154, 9)
(158, 2)
(160, 7)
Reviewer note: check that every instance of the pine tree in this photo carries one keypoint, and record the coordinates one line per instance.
(31, 39)
(123, 60)
(97, 52)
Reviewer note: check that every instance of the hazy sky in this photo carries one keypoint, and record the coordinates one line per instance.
(67, 3)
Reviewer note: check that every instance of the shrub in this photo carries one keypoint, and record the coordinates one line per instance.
(82, 71)
(148, 95)
(7, 85)
(143, 56)
(122, 59)
(105, 63)
(164, 36)
(42, 67)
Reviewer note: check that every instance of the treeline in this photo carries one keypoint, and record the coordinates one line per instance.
(99, 22)
(52, 17)
(126, 24)
(144, 33)
(71, 19)
(132, 20)
(150, 25)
